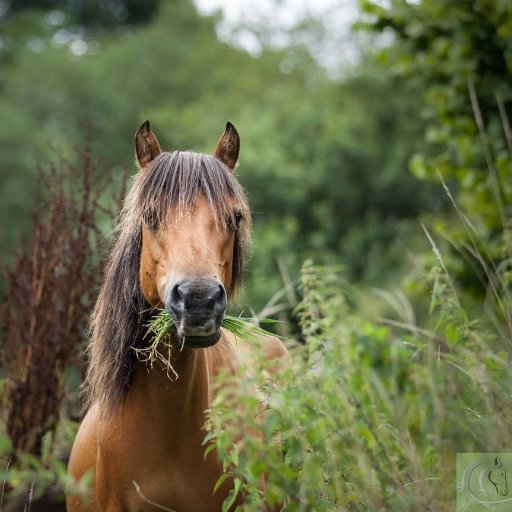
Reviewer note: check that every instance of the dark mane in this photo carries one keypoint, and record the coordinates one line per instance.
(121, 312)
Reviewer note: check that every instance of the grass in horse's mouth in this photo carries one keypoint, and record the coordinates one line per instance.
(160, 347)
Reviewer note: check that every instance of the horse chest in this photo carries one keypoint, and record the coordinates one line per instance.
(141, 464)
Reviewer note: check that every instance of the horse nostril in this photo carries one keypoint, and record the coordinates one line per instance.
(221, 297)
(215, 296)
(176, 300)
(177, 294)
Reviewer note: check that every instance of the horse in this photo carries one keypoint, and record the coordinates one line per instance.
(180, 244)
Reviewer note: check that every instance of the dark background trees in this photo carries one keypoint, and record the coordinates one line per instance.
(460, 56)
(324, 161)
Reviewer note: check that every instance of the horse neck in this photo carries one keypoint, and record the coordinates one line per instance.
(178, 401)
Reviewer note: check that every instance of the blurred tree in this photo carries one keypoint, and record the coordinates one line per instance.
(460, 55)
(75, 23)
(324, 161)
(334, 183)
(89, 13)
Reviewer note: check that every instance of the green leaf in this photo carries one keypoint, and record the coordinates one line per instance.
(209, 449)
(222, 478)
(228, 502)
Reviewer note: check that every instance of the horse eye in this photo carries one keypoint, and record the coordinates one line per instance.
(151, 220)
(233, 221)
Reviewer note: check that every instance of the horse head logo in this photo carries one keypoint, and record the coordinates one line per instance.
(485, 481)
(498, 477)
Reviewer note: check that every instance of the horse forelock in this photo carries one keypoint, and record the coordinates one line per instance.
(172, 180)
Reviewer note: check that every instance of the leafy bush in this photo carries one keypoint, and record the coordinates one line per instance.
(366, 418)
(38, 482)
(460, 55)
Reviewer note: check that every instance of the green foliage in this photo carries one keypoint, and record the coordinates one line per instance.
(460, 55)
(323, 161)
(365, 418)
(26, 478)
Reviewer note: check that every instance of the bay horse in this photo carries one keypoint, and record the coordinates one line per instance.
(180, 245)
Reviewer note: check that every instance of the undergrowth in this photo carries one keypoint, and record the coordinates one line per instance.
(365, 417)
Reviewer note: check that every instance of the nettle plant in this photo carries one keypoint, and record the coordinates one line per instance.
(365, 418)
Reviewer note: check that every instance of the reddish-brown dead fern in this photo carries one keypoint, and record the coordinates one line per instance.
(49, 292)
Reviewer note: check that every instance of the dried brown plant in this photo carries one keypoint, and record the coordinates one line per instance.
(49, 292)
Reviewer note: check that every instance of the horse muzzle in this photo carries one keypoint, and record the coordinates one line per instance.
(197, 307)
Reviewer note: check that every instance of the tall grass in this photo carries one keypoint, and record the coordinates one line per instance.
(368, 417)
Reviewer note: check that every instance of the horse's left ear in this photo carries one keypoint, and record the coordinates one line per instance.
(146, 144)
(228, 146)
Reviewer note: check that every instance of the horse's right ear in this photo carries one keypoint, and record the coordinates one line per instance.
(146, 145)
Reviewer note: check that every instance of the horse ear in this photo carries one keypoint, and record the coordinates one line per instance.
(146, 144)
(228, 146)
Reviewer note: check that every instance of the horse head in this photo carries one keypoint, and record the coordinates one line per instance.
(498, 477)
(190, 233)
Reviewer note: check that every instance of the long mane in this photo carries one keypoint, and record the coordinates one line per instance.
(172, 180)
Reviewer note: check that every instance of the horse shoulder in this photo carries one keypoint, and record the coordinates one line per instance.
(82, 462)
(258, 345)
(274, 348)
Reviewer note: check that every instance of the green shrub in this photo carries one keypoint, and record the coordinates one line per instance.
(363, 417)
